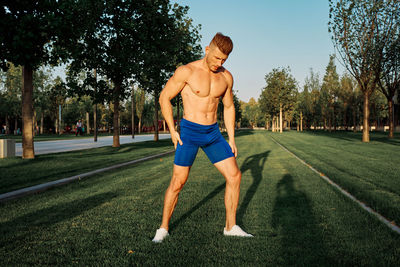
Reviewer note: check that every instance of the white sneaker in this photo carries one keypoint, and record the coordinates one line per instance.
(160, 235)
(236, 231)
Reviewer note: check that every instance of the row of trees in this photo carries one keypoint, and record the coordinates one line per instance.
(330, 103)
(109, 47)
(366, 35)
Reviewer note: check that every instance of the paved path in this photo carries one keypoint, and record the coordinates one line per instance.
(46, 147)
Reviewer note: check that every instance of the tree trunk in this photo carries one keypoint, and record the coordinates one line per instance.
(15, 124)
(330, 123)
(280, 118)
(95, 123)
(273, 124)
(108, 121)
(7, 125)
(87, 123)
(365, 136)
(116, 116)
(354, 120)
(133, 108)
(164, 128)
(34, 123)
(345, 117)
(140, 125)
(301, 121)
(59, 119)
(41, 123)
(155, 116)
(56, 126)
(119, 124)
(334, 119)
(391, 121)
(28, 151)
(95, 108)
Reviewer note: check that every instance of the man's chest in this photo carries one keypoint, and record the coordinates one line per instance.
(204, 85)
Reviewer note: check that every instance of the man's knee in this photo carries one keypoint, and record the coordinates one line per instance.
(178, 181)
(234, 177)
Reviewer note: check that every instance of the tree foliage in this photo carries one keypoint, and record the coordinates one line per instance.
(358, 27)
(280, 91)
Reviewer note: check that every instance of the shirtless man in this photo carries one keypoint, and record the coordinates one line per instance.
(201, 84)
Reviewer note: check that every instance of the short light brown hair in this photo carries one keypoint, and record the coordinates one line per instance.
(224, 43)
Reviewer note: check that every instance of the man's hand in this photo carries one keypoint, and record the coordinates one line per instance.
(176, 138)
(233, 147)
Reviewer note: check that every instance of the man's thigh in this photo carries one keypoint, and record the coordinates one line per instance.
(227, 167)
(180, 175)
(219, 150)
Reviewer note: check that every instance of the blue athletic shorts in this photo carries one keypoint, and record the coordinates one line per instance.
(208, 137)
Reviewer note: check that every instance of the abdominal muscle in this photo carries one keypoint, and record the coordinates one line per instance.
(199, 109)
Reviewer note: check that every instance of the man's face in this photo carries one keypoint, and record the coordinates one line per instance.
(214, 57)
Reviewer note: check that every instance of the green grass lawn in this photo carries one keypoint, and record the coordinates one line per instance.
(369, 171)
(17, 173)
(53, 137)
(110, 219)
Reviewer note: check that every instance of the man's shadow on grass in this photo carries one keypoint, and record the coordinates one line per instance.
(256, 164)
(26, 225)
(295, 225)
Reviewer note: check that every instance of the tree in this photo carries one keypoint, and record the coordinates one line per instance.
(279, 95)
(140, 97)
(170, 40)
(238, 110)
(110, 46)
(12, 95)
(388, 41)
(348, 98)
(305, 102)
(57, 96)
(33, 33)
(354, 26)
(41, 95)
(329, 92)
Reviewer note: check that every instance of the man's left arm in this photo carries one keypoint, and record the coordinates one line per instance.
(229, 114)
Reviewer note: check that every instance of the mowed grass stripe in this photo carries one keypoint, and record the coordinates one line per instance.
(391, 225)
(367, 156)
(379, 188)
(374, 156)
(17, 173)
(297, 218)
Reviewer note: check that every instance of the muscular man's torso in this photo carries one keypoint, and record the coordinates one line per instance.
(201, 93)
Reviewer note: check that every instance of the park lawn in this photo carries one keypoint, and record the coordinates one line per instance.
(17, 173)
(369, 171)
(53, 137)
(110, 219)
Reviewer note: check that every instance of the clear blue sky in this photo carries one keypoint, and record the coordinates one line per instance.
(267, 34)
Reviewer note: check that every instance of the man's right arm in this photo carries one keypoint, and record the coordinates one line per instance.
(173, 87)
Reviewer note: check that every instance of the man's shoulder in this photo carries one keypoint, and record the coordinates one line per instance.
(228, 75)
(184, 70)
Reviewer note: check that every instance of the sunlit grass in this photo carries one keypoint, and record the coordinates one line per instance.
(18, 173)
(369, 171)
(109, 219)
